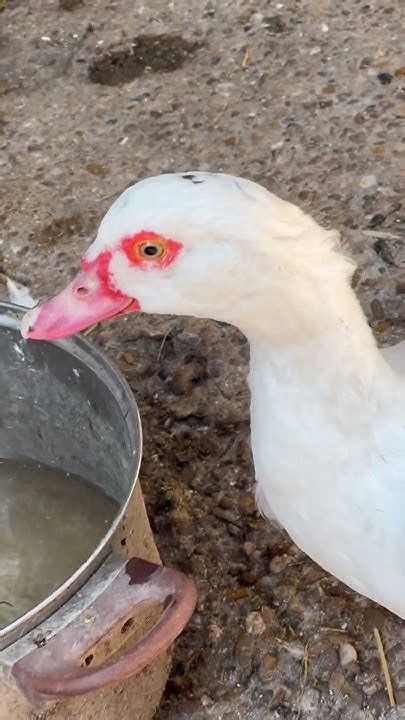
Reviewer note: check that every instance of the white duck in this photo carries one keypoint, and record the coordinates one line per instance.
(327, 410)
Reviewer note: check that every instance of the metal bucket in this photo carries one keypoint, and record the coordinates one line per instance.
(64, 404)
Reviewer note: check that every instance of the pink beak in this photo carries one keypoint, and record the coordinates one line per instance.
(84, 302)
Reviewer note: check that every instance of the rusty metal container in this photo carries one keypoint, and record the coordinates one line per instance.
(99, 645)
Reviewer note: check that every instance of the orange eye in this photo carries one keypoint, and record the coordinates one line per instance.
(151, 250)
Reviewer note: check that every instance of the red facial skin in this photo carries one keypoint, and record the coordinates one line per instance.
(131, 244)
(92, 296)
(101, 267)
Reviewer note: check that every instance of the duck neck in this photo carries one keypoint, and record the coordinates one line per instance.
(311, 333)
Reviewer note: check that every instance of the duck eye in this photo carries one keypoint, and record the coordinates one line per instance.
(151, 250)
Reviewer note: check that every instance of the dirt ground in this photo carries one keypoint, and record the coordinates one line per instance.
(303, 97)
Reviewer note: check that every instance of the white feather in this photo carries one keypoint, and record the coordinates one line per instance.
(19, 294)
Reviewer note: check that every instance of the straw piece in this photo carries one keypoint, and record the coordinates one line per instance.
(384, 665)
(90, 329)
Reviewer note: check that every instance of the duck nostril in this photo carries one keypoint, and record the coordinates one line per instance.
(82, 290)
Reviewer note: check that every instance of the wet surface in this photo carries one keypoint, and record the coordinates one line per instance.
(293, 95)
(50, 524)
(148, 53)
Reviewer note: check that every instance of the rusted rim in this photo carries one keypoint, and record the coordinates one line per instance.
(56, 670)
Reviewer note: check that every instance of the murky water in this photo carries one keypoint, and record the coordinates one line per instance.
(50, 523)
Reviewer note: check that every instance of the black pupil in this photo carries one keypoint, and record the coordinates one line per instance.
(151, 250)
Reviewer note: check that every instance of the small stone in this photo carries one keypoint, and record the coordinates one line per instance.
(310, 701)
(266, 586)
(376, 220)
(246, 501)
(337, 680)
(248, 548)
(297, 607)
(295, 650)
(367, 181)
(181, 380)
(206, 700)
(280, 562)
(243, 651)
(70, 5)
(96, 169)
(255, 624)
(370, 688)
(400, 697)
(240, 592)
(377, 309)
(248, 578)
(267, 666)
(285, 593)
(214, 633)
(274, 25)
(385, 78)
(347, 654)
(129, 358)
(268, 614)
(328, 661)
(378, 702)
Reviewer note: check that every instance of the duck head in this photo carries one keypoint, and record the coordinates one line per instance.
(195, 243)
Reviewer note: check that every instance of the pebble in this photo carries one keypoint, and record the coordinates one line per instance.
(239, 593)
(215, 633)
(243, 650)
(295, 650)
(367, 181)
(378, 702)
(377, 309)
(266, 586)
(181, 380)
(280, 562)
(129, 358)
(96, 169)
(385, 78)
(347, 654)
(269, 614)
(267, 666)
(255, 624)
(400, 697)
(327, 662)
(70, 5)
(337, 680)
(310, 701)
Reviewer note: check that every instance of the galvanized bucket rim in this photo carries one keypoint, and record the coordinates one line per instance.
(107, 373)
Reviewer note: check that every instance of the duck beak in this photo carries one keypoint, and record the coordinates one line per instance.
(84, 302)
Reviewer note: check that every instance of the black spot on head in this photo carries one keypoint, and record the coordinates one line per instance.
(192, 178)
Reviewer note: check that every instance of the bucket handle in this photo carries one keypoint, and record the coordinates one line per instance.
(63, 666)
